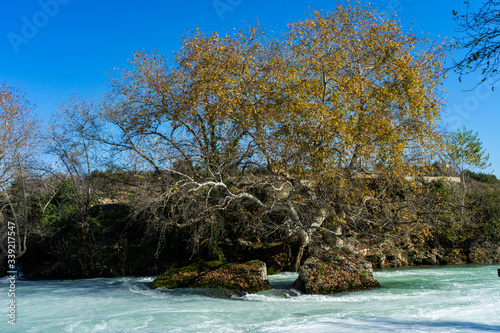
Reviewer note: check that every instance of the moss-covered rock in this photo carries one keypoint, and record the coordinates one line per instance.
(249, 277)
(334, 271)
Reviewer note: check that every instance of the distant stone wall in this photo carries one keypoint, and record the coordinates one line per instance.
(428, 179)
(424, 179)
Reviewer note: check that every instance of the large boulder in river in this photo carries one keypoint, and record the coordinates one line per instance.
(334, 271)
(249, 277)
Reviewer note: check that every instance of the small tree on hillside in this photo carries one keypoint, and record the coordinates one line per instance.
(465, 151)
(69, 139)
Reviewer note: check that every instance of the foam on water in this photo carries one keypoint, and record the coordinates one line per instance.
(436, 299)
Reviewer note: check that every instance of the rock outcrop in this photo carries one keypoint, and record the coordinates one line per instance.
(484, 253)
(249, 277)
(334, 271)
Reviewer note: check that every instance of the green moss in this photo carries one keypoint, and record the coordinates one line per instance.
(272, 271)
(210, 265)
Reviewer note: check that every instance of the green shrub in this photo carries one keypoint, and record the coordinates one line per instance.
(482, 177)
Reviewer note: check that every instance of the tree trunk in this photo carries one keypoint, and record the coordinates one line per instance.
(306, 234)
(462, 200)
(299, 258)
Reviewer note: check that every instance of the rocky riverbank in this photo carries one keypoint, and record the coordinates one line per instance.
(326, 268)
(403, 252)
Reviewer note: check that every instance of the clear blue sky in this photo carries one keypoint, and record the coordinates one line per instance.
(54, 48)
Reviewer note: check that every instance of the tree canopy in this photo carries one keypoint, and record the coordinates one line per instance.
(479, 38)
(465, 151)
(343, 91)
(16, 131)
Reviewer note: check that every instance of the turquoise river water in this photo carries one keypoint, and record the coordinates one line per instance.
(425, 299)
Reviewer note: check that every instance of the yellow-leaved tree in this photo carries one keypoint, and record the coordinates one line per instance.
(368, 97)
(255, 137)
